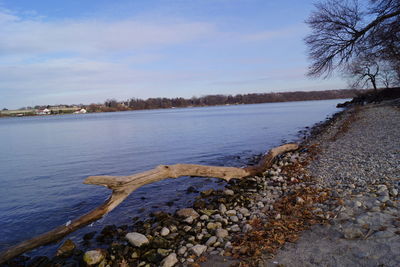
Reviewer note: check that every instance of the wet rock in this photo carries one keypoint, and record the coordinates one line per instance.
(170, 260)
(39, 261)
(93, 257)
(199, 204)
(191, 189)
(207, 193)
(159, 242)
(229, 192)
(66, 249)
(136, 239)
(164, 231)
(89, 236)
(187, 213)
(198, 249)
(152, 256)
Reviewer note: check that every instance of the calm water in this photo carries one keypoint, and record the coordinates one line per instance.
(43, 160)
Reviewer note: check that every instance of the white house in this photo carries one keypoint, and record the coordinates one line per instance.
(43, 112)
(81, 111)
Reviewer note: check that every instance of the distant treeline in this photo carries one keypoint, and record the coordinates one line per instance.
(213, 100)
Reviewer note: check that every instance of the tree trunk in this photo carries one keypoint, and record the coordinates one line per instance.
(123, 186)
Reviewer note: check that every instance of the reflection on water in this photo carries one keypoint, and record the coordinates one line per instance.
(43, 160)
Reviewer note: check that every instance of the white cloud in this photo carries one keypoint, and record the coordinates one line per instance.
(90, 36)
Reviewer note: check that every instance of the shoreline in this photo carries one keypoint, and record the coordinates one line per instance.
(113, 232)
(208, 207)
(168, 108)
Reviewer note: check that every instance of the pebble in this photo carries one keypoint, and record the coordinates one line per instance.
(211, 241)
(247, 228)
(234, 219)
(187, 212)
(230, 213)
(235, 228)
(66, 249)
(198, 249)
(212, 226)
(93, 257)
(229, 192)
(222, 233)
(182, 250)
(136, 239)
(222, 208)
(170, 260)
(164, 231)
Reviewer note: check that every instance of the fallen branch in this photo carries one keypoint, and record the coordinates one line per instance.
(123, 186)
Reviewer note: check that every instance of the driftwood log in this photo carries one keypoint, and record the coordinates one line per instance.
(123, 186)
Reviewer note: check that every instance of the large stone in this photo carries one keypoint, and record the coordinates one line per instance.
(66, 249)
(198, 249)
(187, 213)
(170, 260)
(136, 239)
(93, 257)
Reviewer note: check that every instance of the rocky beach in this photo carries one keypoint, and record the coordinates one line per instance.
(334, 202)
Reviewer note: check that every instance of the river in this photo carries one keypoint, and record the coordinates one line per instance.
(43, 160)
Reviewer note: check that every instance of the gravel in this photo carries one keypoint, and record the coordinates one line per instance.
(361, 167)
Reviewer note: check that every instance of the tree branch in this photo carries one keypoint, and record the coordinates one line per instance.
(123, 186)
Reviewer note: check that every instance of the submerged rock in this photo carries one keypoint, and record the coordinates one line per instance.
(188, 212)
(66, 249)
(93, 257)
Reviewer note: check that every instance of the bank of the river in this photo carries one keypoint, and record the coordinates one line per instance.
(344, 181)
(360, 163)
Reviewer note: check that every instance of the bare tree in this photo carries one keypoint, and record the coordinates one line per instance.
(342, 29)
(364, 71)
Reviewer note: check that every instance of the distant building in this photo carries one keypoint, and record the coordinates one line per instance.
(43, 112)
(81, 111)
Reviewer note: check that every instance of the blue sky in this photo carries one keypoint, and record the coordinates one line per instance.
(86, 51)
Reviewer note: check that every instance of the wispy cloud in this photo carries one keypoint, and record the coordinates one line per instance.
(45, 60)
(91, 36)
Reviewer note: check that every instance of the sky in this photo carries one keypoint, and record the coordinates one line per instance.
(87, 51)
